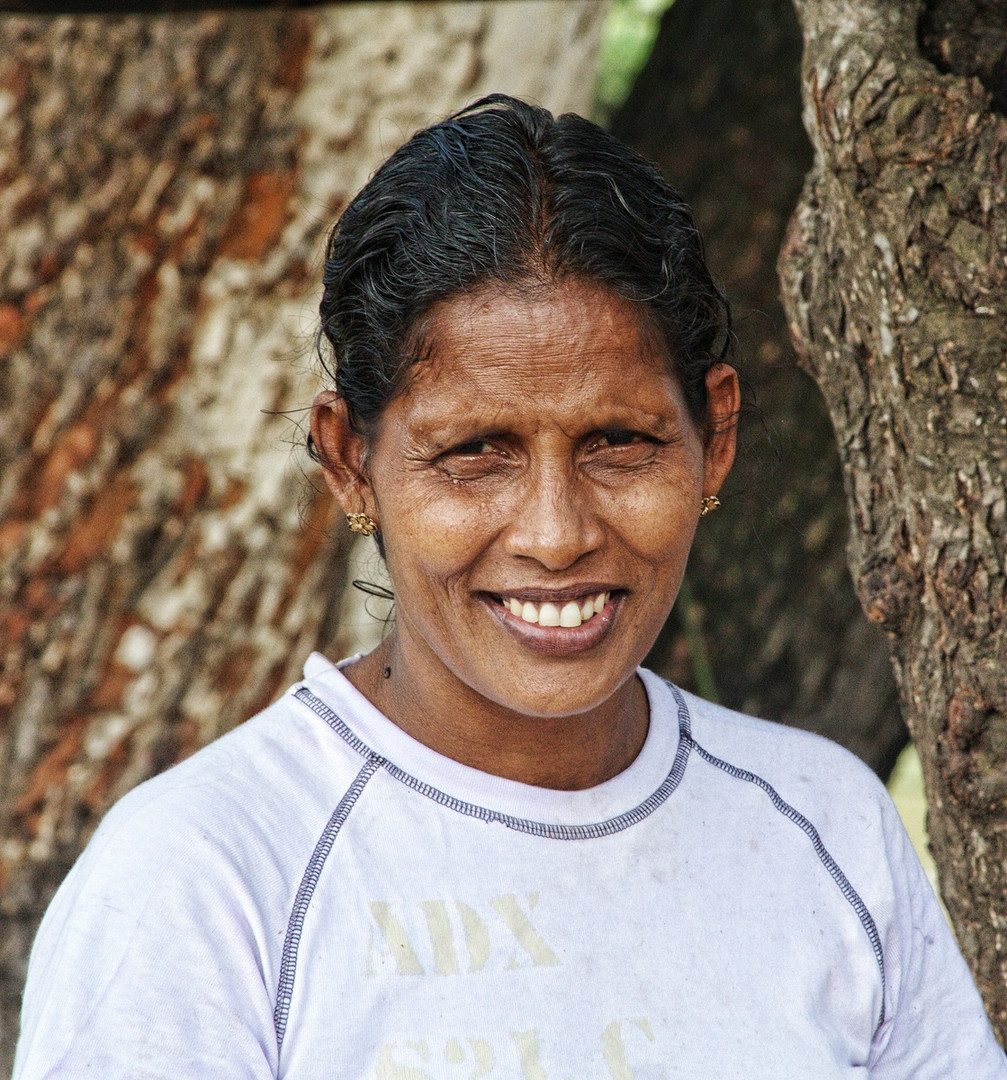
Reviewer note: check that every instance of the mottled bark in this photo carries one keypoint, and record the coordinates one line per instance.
(718, 107)
(165, 187)
(895, 278)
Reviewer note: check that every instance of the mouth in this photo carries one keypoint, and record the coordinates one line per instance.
(568, 613)
(558, 623)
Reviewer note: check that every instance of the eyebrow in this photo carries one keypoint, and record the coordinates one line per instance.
(444, 430)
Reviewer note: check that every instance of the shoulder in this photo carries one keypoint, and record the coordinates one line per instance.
(248, 808)
(192, 875)
(764, 778)
(761, 767)
(173, 917)
(790, 759)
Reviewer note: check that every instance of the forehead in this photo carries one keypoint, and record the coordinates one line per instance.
(572, 338)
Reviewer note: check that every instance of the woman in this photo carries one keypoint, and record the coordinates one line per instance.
(495, 847)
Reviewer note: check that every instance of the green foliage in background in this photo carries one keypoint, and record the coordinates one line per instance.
(627, 38)
(905, 786)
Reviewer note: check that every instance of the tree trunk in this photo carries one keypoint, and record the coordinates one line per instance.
(165, 188)
(718, 107)
(895, 280)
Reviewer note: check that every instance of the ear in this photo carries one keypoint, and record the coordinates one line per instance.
(723, 404)
(342, 452)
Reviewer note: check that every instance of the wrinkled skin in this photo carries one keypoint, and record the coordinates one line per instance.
(544, 452)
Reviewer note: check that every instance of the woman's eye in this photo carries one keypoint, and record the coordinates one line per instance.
(622, 448)
(621, 438)
(476, 446)
(472, 460)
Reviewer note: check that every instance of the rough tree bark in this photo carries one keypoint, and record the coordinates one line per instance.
(165, 186)
(895, 280)
(718, 106)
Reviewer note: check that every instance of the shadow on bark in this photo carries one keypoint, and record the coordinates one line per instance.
(968, 39)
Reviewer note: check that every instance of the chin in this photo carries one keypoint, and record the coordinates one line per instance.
(558, 695)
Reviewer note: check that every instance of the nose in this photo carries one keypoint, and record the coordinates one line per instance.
(554, 522)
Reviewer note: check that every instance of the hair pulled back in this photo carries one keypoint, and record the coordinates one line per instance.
(504, 193)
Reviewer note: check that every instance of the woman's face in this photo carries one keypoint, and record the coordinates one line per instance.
(540, 468)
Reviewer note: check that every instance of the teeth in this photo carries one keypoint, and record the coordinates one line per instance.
(572, 613)
(548, 615)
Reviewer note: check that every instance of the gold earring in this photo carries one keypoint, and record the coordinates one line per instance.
(362, 523)
(710, 502)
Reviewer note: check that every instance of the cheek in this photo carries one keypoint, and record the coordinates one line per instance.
(435, 537)
(665, 551)
(458, 521)
(659, 520)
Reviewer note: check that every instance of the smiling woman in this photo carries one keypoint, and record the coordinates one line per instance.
(495, 846)
(517, 492)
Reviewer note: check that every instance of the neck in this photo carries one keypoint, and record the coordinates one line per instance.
(563, 752)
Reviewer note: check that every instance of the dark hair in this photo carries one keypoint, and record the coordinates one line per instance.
(503, 192)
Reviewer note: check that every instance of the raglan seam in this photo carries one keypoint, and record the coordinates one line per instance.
(305, 892)
(842, 882)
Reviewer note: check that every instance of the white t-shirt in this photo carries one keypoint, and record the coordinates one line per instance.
(317, 895)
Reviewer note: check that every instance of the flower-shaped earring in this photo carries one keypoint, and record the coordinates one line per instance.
(363, 524)
(710, 502)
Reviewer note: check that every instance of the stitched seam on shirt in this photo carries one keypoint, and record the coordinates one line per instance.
(319, 708)
(851, 895)
(535, 828)
(312, 872)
